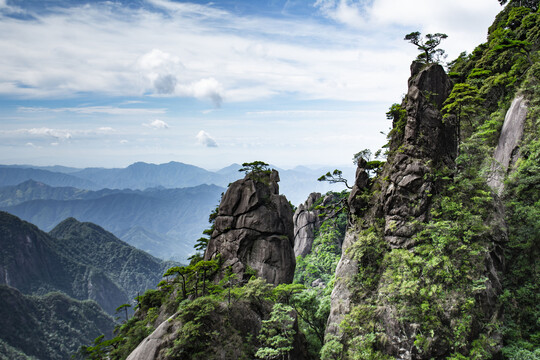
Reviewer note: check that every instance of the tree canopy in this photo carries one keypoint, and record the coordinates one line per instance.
(429, 52)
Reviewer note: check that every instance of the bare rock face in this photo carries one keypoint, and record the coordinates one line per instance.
(306, 222)
(508, 146)
(254, 230)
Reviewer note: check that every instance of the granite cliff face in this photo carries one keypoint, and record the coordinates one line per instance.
(254, 230)
(306, 221)
(428, 143)
(507, 150)
(376, 267)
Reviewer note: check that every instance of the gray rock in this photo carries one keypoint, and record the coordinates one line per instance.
(254, 229)
(306, 223)
(150, 347)
(508, 146)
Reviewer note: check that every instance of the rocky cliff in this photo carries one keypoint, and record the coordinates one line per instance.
(506, 152)
(400, 238)
(254, 230)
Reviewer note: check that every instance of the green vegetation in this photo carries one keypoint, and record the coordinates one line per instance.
(440, 287)
(505, 65)
(335, 177)
(429, 52)
(47, 327)
(277, 334)
(256, 170)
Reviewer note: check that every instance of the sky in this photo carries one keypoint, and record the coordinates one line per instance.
(289, 82)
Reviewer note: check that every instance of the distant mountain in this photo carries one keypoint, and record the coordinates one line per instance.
(49, 327)
(132, 269)
(296, 184)
(29, 262)
(12, 175)
(142, 175)
(34, 190)
(84, 262)
(172, 219)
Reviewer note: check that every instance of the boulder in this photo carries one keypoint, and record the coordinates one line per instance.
(254, 230)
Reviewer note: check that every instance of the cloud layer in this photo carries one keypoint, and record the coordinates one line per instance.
(202, 51)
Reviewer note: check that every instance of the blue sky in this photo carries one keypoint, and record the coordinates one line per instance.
(108, 83)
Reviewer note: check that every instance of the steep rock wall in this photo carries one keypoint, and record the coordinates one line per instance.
(376, 273)
(511, 134)
(425, 139)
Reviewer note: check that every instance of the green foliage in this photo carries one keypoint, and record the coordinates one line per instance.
(151, 298)
(335, 177)
(277, 333)
(257, 170)
(50, 327)
(368, 250)
(398, 115)
(325, 253)
(464, 103)
(332, 349)
(100, 349)
(313, 309)
(196, 334)
(429, 52)
(364, 154)
(521, 298)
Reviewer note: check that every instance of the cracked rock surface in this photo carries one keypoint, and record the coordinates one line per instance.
(254, 230)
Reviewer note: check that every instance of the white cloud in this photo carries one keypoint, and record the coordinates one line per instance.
(157, 124)
(123, 141)
(203, 138)
(55, 133)
(343, 11)
(160, 69)
(109, 110)
(106, 129)
(208, 88)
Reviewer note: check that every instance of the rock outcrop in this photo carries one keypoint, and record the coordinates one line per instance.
(507, 149)
(428, 143)
(422, 145)
(306, 222)
(423, 140)
(254, 230)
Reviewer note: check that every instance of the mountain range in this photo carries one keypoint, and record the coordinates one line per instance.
(163, 222)
(161, 209)
(58, 290)
(296, 183)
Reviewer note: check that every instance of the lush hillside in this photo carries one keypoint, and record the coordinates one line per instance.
(133, 270)
(172, 218)
(84, 262)
(51, 326)
(30, 264)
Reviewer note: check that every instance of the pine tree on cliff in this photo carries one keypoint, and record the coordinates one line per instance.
(429, 52)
